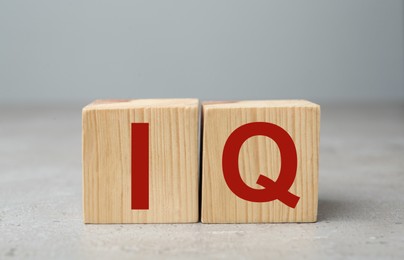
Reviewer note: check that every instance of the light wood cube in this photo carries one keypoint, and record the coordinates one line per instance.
(260, 154)
(119, 158)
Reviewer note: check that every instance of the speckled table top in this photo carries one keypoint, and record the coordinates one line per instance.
(361, 205)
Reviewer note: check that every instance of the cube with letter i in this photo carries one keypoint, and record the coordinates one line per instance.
(260, 161)
(140, 161)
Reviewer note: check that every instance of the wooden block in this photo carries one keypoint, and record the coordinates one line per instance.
(110, 159)
(260, 154)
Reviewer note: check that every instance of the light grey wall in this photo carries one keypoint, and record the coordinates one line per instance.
(82, 50)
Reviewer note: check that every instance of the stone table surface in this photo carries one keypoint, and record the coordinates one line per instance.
(361, 196)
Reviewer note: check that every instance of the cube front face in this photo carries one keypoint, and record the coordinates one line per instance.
(173, 161)
(259, 155)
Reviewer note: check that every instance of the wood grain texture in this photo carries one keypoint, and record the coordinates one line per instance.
(173, 160)
(259, 154)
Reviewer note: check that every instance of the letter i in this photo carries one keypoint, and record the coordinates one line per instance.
(140, 166)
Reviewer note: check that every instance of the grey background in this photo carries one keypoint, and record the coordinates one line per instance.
(76, 51)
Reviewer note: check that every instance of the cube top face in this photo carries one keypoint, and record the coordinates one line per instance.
(172, 167)
(259, 155)
(259, 104)
(141, 103)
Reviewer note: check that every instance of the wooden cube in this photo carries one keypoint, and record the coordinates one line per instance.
(147, 147)
(258, 155)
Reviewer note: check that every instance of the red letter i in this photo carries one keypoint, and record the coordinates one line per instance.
(140, 166)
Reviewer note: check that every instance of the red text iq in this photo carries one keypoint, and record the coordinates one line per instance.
(273, 190)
